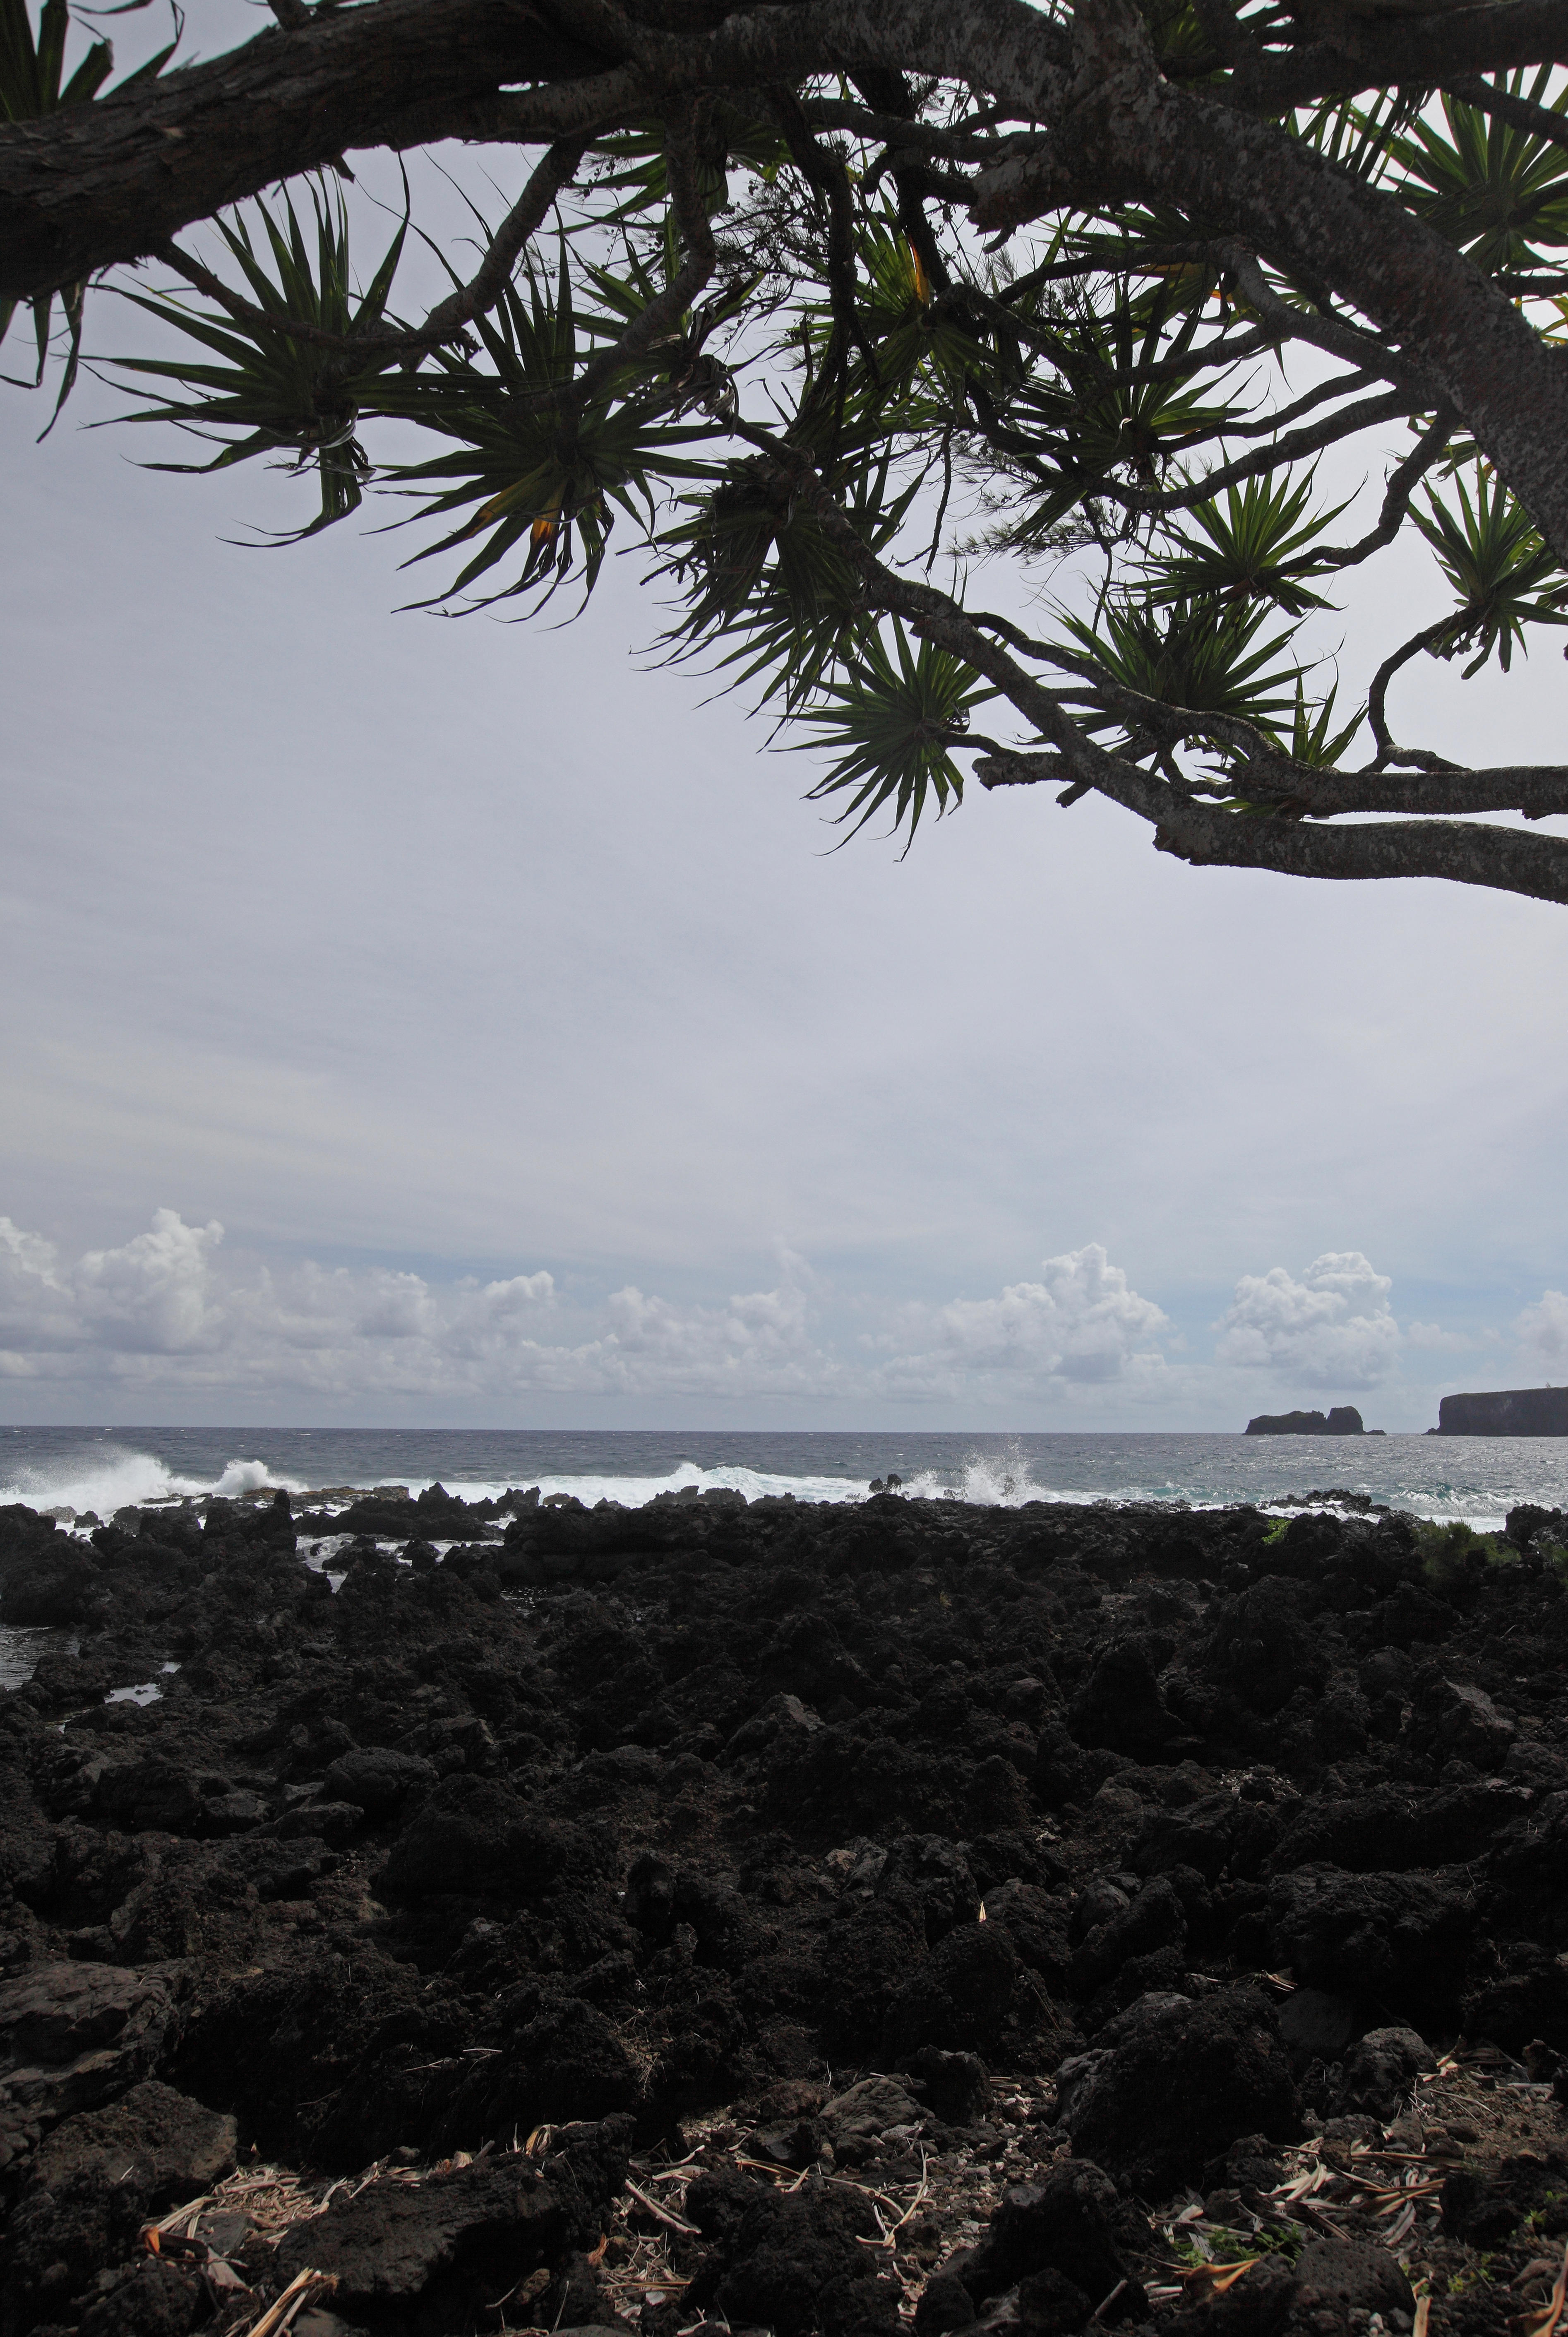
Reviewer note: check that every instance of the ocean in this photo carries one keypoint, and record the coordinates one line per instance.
(1478, 1479)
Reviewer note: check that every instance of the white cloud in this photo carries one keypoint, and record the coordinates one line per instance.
(1541, 1330)
(165, 1307)
(1081, 1322)
(759, 1343)
(154, 1295)
(170, 1309)
(1332, 1329)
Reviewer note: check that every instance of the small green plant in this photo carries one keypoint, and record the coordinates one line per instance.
(1277, 1530)
(1226, 2246)
(1449, 1553)
(1286, 2240)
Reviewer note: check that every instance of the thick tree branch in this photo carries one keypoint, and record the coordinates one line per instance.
(1302, 790)
(1502, 859)
(1415, 51)
(115, 180)
(92, 185)
(535, 117)
(1346, 342)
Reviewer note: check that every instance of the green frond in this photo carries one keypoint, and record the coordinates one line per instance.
(1254, 545)
(1502, 576)
(525, 476)
(1314, 737)
(274, 395)
(757, 571)
(635, 166)
(893, 718)
(1091, 411)
(1201, 655)
(1500, 193)
(1357, 138)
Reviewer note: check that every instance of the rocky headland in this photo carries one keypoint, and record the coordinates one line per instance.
(788, 1918)
(1505, 1411)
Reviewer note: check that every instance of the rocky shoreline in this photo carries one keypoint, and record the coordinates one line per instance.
(433, 1919)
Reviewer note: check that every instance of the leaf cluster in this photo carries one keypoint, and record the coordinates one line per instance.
(273, 392)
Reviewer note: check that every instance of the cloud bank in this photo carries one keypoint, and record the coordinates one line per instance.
(173, 1312)
(167, 1309)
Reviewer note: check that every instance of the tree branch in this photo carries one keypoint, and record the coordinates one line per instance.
(1352, 347)
(1522, 111)
(1503, 859)
(89, 185)
(1419, 758)
(1291, 448)
(665, 311)
(1303, 790)
(1415, 51)
(1403, 480)
(446, 321)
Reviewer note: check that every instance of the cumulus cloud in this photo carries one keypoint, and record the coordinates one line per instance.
(167, 1306)
(1541, 1330)
(154, 1295)
(1331, 1329)
(1081, 1322)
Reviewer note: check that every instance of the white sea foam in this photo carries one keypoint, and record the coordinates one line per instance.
(117, 1478)
(632, 1492)
(114, 1476)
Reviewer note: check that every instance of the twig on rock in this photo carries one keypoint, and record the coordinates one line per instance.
(661, 2215)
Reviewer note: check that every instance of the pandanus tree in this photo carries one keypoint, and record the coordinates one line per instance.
(828, 305)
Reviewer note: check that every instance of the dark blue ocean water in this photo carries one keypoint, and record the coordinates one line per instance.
(1477, 1478)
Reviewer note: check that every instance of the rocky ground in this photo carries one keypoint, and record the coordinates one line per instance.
(783, 1918)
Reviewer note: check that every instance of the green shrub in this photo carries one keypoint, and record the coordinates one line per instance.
(1450, 1553)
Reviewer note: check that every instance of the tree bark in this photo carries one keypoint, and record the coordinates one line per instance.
(95, 184)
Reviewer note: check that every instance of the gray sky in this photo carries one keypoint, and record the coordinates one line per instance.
(505, 1006)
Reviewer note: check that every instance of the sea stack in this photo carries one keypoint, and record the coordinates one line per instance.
(1344, 1420)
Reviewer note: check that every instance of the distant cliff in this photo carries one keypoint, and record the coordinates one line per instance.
(1505, 1411)
(1343, 1421)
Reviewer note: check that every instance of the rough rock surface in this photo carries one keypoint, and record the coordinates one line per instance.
(168, 2145)
(929, 1905)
